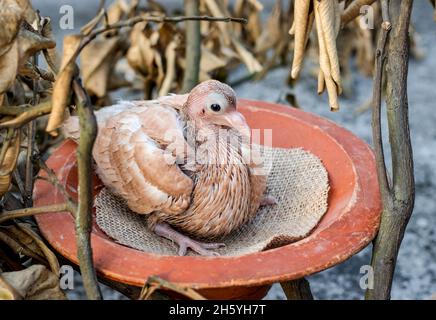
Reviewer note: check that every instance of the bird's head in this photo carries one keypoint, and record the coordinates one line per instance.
(213, 103)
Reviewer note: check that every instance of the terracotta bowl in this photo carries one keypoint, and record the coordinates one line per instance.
(349, 225)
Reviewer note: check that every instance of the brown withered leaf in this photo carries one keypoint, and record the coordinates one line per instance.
(272, 32)
(9, 162)
(50, 54)
(214, 8)
(24, 241)
(87, 28)
(7, 292)
(29, 14)
(35, 283)
(246, 57)
(170, 72)
(98, 60)
(8, 69)
(116, 11)
(160, 68)
(10, 20)
(228, 38)
(250, 9)
(61, 89)
(210, 62)
(141, 53)
(33, 238)
(30, 43)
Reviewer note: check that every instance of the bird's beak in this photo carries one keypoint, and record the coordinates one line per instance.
(234, 120)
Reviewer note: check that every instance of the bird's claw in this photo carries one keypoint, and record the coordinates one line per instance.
(165, 230)
(202, 248)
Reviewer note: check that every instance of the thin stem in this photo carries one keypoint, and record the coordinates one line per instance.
(28, 212)
(19, 183)
(27, 116)
(298, 289)
(159, 19)
(398, 209)
(28, 182)
(52, 178)
(376, 114)
(31, 131)
(88, 133)
(193, 47)
(14, 110)
(6, 143)
(154, 283)
(101, 5)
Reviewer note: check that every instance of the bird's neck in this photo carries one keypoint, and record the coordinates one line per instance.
(213, 144)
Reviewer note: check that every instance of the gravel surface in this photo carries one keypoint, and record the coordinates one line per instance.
(415, 276)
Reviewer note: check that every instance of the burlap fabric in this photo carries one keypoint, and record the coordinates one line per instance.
(297, 179)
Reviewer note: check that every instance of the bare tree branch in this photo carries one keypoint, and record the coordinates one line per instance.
(28, 212)
(376, 114)
(298, 289)
(88, 133)
(397, 211)
(159, 19)
(193, 47)
(28, 115)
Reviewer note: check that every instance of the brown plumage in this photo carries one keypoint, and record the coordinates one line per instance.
(181, 160)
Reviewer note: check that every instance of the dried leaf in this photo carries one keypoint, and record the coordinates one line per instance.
(160, 69)
(7, 292)
(322, 24)
(170, 56)
(35, 283)
(10, 20)
(353, 10)
(141, 53)
(247, 58)
(301, 22)
(257, 4)
(97, 62)
(30, 42)
(19, 236)
(330, 23)
(50, 54)
(61, 89)
(8, 68)
(9, 163)
(210, 61)
(87, 28)
(321, 82)
(115, 12)
(29, 13)
(271, 33)
(216, 11)
(39, 243)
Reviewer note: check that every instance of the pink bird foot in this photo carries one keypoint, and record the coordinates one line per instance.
(184, 242)
(268, 201)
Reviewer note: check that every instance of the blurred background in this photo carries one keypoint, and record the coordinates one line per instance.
(415, 276)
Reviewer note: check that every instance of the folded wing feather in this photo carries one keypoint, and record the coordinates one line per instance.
(131, 156)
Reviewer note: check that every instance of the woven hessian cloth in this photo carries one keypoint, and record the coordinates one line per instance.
(297, 179)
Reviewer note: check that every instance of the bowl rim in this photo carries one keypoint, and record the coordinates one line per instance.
(335, 243)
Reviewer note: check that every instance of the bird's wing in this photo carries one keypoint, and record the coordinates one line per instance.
(132, 160)
(176, 101)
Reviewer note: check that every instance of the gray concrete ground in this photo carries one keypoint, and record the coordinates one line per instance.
(415, 276)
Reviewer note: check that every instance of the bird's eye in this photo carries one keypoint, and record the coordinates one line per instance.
(215, 103)
(215, 107)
